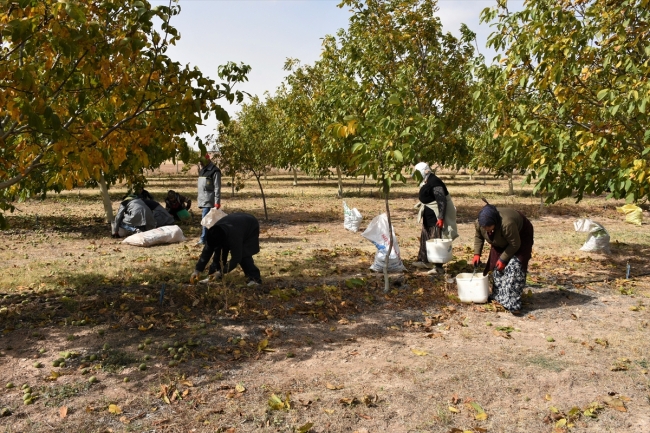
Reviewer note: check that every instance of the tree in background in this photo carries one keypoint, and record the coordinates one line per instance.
(250, 142)
(574, 95)
(89, 95)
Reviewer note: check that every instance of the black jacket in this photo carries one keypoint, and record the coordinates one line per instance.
(237, 234)
(433, 190)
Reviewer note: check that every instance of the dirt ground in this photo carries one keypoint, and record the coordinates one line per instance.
(319, 346)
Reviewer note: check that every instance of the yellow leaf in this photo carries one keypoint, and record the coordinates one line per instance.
(481, 416)
(419, 352)
(453, 409)
(187, 383)
(547, 397)
(115, 409)
(328, 411)
(276, 402)
(240, 388)
(145, 328)
(333, 387)
(262, 345)
(305, 428)
(54, 375)
(561, 423)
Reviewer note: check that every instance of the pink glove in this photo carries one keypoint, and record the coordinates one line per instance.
(500, 266)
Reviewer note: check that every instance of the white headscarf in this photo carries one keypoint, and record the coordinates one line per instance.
(424, 170)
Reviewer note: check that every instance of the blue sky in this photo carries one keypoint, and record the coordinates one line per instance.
(263, 33)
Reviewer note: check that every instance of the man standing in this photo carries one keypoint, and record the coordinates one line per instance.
(237, 234)
(209, 190)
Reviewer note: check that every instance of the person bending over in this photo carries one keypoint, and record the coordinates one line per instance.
(237, 234)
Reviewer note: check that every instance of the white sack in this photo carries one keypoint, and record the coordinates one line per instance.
(377, 233)
(598, 237)
(212, 217)
(351, 218)
(161, 235)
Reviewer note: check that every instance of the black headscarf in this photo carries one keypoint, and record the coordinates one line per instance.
(489, 215)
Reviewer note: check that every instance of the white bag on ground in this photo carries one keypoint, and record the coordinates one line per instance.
(351, 218)
(377, 233)
(597, 239)
(212, 217)
(161, 235)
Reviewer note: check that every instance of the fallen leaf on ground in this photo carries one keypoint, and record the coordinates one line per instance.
(240, 388)
(615, 403)
(419, 352)
(113, 408)
(262, 345)
(333, 387)
(305, 428)
(349, 401)
(63, 411)
(145, 328)
(453, 409)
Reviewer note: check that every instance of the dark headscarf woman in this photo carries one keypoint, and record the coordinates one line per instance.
(510, 235)
(437, 213)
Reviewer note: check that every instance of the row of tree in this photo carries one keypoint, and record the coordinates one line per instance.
(88, 96)
(565, 102)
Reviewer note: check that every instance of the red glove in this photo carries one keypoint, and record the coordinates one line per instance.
(440, 223)
(217, 205)
(500, 265)
(476, 260)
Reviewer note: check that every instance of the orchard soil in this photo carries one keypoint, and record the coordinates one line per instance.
(319, 346)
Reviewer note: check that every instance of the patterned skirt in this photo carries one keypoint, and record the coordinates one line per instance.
(509, 285)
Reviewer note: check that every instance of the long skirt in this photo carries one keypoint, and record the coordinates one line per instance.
(426, 234)
(509, 285)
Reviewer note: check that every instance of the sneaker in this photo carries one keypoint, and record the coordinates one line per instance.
(252, 283)
(422, 265)
(206, 281)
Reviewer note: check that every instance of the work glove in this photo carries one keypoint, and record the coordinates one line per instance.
(476, 260)
(501, 265)
(440, 223)
(217, 206)
(212, 277)
(194, 277)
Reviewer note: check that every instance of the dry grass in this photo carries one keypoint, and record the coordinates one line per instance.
(69, 287)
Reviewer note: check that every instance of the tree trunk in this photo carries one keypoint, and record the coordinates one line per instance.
(295, 177)
(390, 246)
(266, 214)
(511, 187)
(232, 185)
(108, 206)
(338, 173)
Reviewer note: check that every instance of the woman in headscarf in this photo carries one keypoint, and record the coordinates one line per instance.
(437, 213)
(510, 235)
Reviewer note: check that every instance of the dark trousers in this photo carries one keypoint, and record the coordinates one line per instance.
(250, 270)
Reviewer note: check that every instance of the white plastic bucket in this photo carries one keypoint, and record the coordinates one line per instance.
(439, 250)
(473, 289)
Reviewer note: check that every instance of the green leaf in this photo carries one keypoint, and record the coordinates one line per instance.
(394, 100)
(602, 94)
(75, 13)
(398, 156)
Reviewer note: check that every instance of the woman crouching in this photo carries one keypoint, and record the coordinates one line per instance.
(510, 235)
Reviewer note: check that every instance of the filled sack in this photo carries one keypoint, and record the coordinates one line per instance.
(598, 237)
(351, 218)
(633, 214)
(378, 233)
(158, 236)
